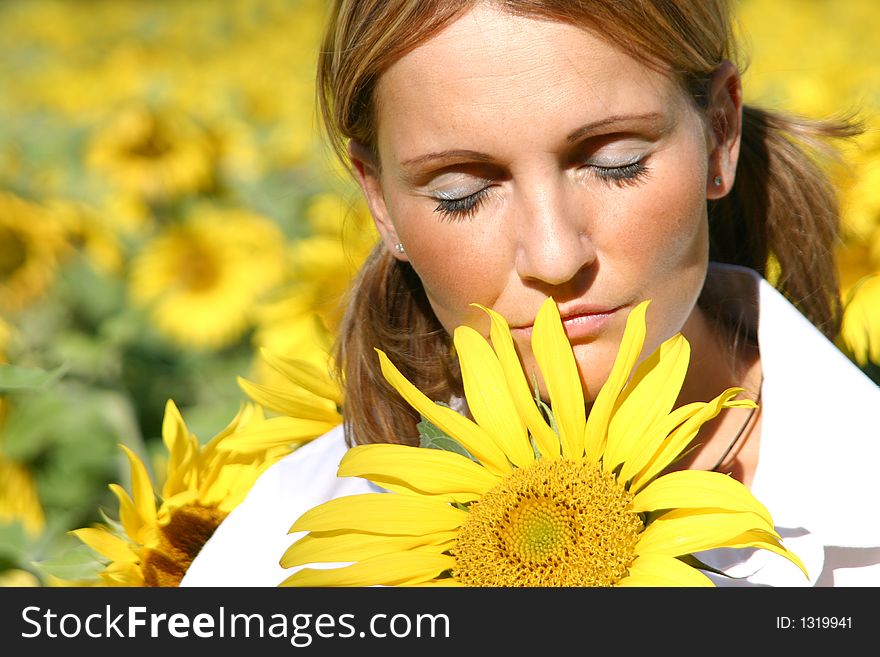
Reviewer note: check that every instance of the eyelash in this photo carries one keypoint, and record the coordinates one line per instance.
(457, 209)
(626, 174)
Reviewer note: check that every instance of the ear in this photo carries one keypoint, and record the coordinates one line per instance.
(724, 114)
(366, 170)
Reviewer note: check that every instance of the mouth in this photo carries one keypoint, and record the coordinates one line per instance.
(579, 323)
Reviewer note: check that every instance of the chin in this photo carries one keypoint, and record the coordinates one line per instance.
(594, 361)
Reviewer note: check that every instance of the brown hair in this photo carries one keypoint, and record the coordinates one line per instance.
(781, 207)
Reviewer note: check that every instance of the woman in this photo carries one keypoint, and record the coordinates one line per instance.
(598, 153)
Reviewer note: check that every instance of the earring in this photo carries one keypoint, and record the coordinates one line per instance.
(717, 181)
(399, 247)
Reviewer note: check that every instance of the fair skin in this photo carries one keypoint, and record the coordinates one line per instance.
(520, 159)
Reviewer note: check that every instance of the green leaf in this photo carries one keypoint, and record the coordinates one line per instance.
(78, 563)
(14, 541)
(543, 407)
(17, 379)
(432, 437)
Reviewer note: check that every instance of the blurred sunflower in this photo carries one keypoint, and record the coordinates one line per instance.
(153, 545)
(202, 278)
(859, 336)
(324, 264)
(87, 230)
(291, 328)
(19, 500)
(158, 155)
(31, 244)
(6, 332)
(529, 501)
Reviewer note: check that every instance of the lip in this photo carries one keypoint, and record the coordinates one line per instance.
(580, 322)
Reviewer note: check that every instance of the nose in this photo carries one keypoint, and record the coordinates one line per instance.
(554, 244)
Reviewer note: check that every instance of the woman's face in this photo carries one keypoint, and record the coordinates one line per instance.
(521, 159)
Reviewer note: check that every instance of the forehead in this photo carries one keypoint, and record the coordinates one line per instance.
(493, 67)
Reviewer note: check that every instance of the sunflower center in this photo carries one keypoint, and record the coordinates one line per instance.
(198, 268)
(13, 252)
(180, 541)
(554, 523)
(151, 143)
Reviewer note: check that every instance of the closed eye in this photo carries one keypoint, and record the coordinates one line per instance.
(456, 209)
(630, 173)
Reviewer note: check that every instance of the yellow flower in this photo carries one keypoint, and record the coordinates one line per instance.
(291, 327)
(92, 233)
(306, 396)
(324, 264)
(19, 500)
(202, 278)
(860, 330)
(573, 501)
(157, 155)
(155, 543)
(31, 244)
(18, 579)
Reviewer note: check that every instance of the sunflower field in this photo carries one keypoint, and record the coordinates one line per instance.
(172, 224)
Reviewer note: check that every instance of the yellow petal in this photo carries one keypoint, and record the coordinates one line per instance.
(555, 358)
(684, 531)
(107, 544)
(660, 570)
(381, 513)
(445, 582)
(294, 403)
(650, 396)
(306, 375)
(330, 547)
(280, 430)
(698, 489)
(120, 573)
(681, 437)
(471, 436)
(628, 353)
(141, 489)
(488, 398)
(131, 520)
(766, 541)
(422, 470)
(182, 449)
(400, 569)
(653, 440)
(502, 341)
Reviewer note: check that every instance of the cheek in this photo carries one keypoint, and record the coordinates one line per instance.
(457, 262)
(663, 228)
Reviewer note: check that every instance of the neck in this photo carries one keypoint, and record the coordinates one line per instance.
(721, 360)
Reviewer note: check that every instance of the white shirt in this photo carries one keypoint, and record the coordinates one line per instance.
(816, 473)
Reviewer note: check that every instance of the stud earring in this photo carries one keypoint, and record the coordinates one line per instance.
(399, 247)
(717, 181)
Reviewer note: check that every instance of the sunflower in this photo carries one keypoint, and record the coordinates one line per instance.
(860, 330)
(202, 277)
(157, 155)
(153, 545)
(92, 233)
(324, 264)
(306, 397)
(533, 497)
(19, 498)
(31, 244)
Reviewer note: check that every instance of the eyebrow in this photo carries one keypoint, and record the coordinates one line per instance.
(477, 156)
(447, 155)
(587, 128)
